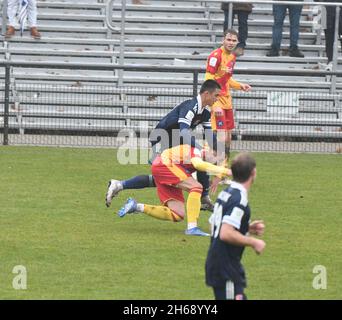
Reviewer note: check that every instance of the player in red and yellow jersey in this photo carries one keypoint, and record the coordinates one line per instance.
(172, 175)
(220, 67)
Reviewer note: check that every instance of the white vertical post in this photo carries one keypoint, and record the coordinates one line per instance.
(4, 17)
(335, 49)
(122, 42)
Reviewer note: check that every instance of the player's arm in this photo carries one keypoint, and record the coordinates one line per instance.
(230, 235)
(215, 144)
(231, 223)
(209, 76)
(185, 117)
(211, 138)
(238, 85)
(210, 135)
(201, 165)
(188, 138)
(213, 63)
(234, 84)
(257, 228)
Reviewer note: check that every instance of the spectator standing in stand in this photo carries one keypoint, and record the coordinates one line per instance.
(242, 11)
(12, 9)
(329, 31)
(279, 13)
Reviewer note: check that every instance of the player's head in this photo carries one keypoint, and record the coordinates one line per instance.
(210, 90)
(230, 39)
(243, 168)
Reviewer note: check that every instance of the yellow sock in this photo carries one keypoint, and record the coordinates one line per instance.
(193, 207)
(162, 213)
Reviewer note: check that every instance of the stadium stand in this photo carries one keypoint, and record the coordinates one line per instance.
(156, 34)
(162, 33)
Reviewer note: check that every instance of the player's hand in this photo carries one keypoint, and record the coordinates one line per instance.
(245, 87)
(259, 245)
(209, 155)
(257, 227)
(218, 112)
(214, 185)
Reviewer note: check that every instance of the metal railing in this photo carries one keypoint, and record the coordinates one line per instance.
(94, 115)
(121, 28)
(109, 11)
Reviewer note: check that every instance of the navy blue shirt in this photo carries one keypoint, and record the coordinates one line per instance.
(185, 116)
(224, 259)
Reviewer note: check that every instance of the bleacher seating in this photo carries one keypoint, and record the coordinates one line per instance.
(108, 109)
(165, 33)
(155, 33)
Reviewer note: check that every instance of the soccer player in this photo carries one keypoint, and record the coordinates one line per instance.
(172, 171)
(220, 67)
(229, 233)
(176, 126)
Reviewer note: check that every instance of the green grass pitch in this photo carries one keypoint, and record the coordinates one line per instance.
(54, 222)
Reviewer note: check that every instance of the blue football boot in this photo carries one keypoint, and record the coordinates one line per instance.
(129, 207)
(196, 231)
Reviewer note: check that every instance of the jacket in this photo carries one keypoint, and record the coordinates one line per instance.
(238, 6)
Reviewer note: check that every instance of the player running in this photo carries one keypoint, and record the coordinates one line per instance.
(172, 171)
(231, 233)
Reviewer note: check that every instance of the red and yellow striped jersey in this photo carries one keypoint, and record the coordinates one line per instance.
(190, 159)
(220, 67)
(180, 155)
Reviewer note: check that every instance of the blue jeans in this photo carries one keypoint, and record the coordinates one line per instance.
(279, 13)
(330, 31)
(243, 25)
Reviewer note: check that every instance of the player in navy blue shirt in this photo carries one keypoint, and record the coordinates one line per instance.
(175, 129)
(179, 122)
(230, 233)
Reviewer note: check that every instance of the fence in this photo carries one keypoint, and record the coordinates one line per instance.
(319, 19)
(96, 115)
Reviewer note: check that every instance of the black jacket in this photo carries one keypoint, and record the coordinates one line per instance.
(238, 6)
(331, 13)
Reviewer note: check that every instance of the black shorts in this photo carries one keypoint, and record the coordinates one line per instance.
(231, 291)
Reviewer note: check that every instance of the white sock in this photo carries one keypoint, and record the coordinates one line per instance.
(140, 207)
(192, 225)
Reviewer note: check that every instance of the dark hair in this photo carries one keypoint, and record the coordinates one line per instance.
(210, 85)
(230, 31)
(242, 167)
